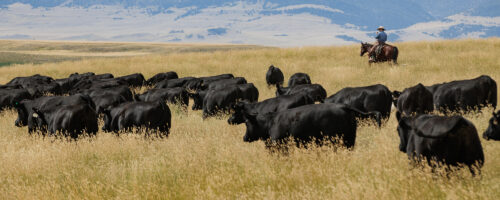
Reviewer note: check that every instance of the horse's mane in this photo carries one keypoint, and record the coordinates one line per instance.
(366, 43)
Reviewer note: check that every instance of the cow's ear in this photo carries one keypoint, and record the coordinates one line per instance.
(36, 113)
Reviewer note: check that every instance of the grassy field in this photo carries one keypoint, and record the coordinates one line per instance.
(37, 52)
(207, 159)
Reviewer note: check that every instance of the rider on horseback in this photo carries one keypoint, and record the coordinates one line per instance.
(381, 38)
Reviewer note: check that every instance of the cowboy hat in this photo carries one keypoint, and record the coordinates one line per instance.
(380, 27)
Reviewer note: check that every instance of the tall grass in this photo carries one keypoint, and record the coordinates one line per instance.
(207, 159)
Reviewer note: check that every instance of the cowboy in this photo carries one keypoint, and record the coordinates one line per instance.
(381, 38)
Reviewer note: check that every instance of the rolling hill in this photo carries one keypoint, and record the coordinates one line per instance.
(263, 22)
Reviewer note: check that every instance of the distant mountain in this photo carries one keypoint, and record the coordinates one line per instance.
(271, 22)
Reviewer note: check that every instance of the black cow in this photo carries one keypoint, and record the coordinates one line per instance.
(464, 95)
(24, 108)
(83, 84)
(198, 98)
(222, 100)
(369, 98)
(226, 82)
(162, 76)
(446, 140)
(8, 97)
(305, 123)
(493, 131)
(315, 91)
(149, 115)
(299, 79)
(116, 91)
(52, 88)
(176, 95)
(249, 92)
(84, 75)
(209, 79)
(413, 100)
(105, 101)
(66, 84)
(37, 84)
(96, 84)
(271, 105)
(203, 83)
(171, 83)
(133, 80)
(37, 78)
(70, 120)
(101, 76)
(194, 84)
(274, 76)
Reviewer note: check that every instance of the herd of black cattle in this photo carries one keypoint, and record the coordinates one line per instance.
(72, 106)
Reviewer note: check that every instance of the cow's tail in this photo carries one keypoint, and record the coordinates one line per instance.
(395, 55)
(371, 114)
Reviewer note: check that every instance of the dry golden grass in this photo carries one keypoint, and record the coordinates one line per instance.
(27, 51)
(207, 159)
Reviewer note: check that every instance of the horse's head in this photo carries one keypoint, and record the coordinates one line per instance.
(364, 48)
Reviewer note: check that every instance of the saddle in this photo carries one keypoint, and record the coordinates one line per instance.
(378, 50)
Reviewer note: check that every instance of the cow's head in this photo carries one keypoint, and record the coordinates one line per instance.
(257, 126)
(238, 117)
(404, 131)
(22, 113)
(493, 131)
(107, 120)
(395, 97)
(197, 99)
(36, 120)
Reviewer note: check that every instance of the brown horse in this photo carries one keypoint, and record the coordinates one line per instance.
(388, 53)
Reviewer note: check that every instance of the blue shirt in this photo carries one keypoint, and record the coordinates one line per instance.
(381, 36)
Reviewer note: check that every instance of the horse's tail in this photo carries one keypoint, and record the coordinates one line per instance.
(395, 55)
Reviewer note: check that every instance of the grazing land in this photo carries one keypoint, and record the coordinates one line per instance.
(207, 159)
(37, 52)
